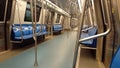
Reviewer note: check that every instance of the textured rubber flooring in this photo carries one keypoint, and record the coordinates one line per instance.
(55, 53)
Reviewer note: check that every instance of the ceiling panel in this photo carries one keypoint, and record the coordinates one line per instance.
(70, 6)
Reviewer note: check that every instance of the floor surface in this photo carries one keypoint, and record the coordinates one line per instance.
(55, 53)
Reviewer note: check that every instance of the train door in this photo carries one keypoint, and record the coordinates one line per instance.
(5, 6)
(51, 18)
(108, 39)
(110, 42)
(116, 19)
(58, 19)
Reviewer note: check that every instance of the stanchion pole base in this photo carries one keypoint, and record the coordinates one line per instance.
(36, 64)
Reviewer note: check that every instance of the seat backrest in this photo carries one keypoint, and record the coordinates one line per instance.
(115, 63)
(57, 26)
(16, 32)
(92, 31)
(44, 28)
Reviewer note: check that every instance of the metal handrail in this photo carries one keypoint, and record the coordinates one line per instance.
(79, 33)
(34, 29)
(5, 14)
(20, 26)
(96, 36)
(101, 34)
(103, 11)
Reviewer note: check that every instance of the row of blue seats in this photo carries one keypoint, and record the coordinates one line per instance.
(57, 27)
(90, 32)
(27, 31)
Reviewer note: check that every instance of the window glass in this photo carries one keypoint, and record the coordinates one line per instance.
(28, 13)
(2, 9)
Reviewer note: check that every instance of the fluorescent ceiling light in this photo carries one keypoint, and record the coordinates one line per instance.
(80, 7)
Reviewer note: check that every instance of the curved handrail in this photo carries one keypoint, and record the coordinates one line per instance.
(96, 36)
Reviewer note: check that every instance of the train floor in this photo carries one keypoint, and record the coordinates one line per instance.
(56, 52)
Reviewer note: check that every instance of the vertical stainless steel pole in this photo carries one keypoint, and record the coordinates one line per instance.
(5, 14)
(103, 11)
(35, 37)
(79, 33)
(34, 29)
(42, 12)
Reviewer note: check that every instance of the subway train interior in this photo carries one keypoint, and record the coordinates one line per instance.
(59, 34)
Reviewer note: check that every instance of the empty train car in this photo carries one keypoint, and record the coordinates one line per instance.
(59, 34)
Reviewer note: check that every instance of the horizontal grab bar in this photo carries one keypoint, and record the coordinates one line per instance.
(96, 36)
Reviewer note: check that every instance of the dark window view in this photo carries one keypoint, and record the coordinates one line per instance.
(2, 9)
(58, 18)
(47, 18)
(28, 13)
(52, 15)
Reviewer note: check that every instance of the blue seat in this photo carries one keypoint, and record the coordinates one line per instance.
(90, 32)
(38, 29)
(57, 27)
(115, 63)
(17, 32)
(44, 30)
(84, 35)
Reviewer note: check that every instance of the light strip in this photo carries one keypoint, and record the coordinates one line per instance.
(57, 8)
(79, 3)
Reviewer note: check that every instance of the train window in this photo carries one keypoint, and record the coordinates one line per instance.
(28, 13)
(52, 15)
(58, 18)
(2, 9)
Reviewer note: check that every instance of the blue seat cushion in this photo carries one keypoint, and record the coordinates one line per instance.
(24, 37)
(25, 31)
(88, 42)
(17, 32)
(44, 28)
(42, 33)
(92, 31)
(37, 29)
(57, 27)
(30, 29)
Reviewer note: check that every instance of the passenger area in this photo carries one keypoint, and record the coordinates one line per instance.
(51, 54)
(59, 34)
